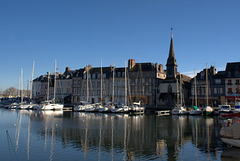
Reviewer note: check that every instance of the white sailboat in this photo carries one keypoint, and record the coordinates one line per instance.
(51, 105)
(179, 110)
(101, 107)
(29, 105)
(207, 110)
(195, 110)
(114, 109)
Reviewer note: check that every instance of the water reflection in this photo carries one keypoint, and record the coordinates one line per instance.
(94, 136)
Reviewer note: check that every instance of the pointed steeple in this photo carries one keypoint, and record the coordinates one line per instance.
(171, 57)
(171, 61)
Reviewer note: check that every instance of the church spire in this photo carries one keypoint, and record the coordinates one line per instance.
(171, 61)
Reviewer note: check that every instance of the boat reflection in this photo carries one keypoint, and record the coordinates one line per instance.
(124, 137)
(230, 154)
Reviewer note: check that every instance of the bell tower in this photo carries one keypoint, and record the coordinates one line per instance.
(171, 61)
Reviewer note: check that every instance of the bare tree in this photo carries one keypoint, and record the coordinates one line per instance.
(12, 91)
(1, 92)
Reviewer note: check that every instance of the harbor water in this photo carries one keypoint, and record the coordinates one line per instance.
(58, 135)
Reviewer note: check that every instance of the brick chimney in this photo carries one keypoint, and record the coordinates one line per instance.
(212, 70)
(131, 63)
(161, 68)
(156, 67)
(67, 69)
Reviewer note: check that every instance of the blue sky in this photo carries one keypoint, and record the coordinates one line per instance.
(81, 32)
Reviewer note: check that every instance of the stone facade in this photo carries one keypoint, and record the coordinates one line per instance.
(232, 78)
(143, 78)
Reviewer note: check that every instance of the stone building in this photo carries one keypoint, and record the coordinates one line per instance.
(216, 84)
(89, 86)
(77, 86)
(40, 88)
(143, 79)
(64, 86)
(172, 87)
(232, 77)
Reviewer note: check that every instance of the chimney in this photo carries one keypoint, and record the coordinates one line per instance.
(131, 63)
(156, 66)
(161, 68)
(67, 69)
(213, 70)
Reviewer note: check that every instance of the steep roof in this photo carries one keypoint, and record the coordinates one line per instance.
(233, 66)
(143, 67)
(171, 57)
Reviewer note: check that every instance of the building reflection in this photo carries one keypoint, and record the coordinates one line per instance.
(135, 137)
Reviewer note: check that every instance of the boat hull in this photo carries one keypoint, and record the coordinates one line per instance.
(232, 142)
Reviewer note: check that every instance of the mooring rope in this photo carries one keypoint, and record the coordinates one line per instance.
(9, 140)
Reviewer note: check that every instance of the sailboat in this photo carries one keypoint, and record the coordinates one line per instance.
(207, 110)
(137, 108)
(125, 107)
(83, 106)
(114, 108)
(51, 105)
(29, 105)
(195, 110)
(179, 109)
(102, 108)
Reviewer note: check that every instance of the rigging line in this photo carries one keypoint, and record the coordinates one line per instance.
(9, 139)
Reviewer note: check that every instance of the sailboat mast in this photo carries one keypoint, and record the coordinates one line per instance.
(87, 84)
(177, 94)
(195, 89)
(180, 90)
(54, 92)
(125, 83)
(113, 84)
(101, 81)
(32, 81)
(206, 85)
(21, 86)
(48, 87)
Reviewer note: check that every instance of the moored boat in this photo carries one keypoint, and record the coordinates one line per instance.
(231, 134)
(195, 111)
(224, 109)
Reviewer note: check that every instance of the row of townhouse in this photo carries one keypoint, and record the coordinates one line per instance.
(113, 85)
(106, 84)
(223, 86)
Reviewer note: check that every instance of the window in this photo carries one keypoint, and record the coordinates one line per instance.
(215, 90)
(119, 74)
(237, 82)
(221, 91)
(93, 76)
(104, 75)
(99, 76)
(229, 90)
(218, 81)
(229, 82)
(237, 90)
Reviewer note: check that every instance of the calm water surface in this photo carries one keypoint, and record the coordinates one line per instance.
(57, 135)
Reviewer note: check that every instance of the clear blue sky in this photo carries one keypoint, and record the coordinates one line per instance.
(81, 32)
